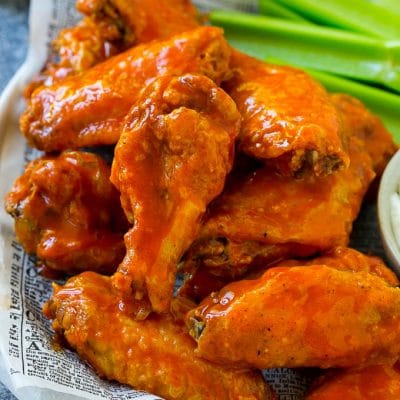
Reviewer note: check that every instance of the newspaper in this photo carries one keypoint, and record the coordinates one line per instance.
(29, 365)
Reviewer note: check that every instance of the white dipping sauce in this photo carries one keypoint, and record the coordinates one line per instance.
(395, 214)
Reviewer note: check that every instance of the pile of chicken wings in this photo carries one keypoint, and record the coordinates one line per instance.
(244, 177)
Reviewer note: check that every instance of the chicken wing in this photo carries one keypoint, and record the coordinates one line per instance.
(262, 217)
(52, 203)
(77, 49)
(287, 118)
(170, 162)
(378, 141)
(306, 215)
(88, 109)
(110, 27)
(82, 46)
(156, 355)
(370, 383)
(145, 20)
(313, 316)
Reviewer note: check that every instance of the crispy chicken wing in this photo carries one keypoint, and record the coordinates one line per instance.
(370, 383)
(55, 218)
(156, 355)
(314, 316)
(88, 109)
(288, 118)
(170, 162)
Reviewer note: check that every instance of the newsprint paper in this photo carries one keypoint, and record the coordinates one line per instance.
(29, 366)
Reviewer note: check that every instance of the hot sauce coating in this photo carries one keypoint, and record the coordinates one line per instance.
(88, 109)
(77, 49)
(236, 235)
(88, 43)
(262, 217)
(170, 162)
(156, 355)
(287, 118)
(95, 38)
(145, 20)
(313, 316)
(367, 126)
(68, 213)
(110, 27)
(370, 383)
(202, 281)
(347, 259)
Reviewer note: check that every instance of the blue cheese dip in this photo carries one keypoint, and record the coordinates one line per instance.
(395, 214)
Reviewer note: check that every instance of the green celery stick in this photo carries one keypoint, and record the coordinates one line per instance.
(310, 46)
(390, 5)
(272, 9)
(354, 15)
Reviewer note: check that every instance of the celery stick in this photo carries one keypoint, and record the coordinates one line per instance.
(354, 15)
(390, 5)
(272, 9)
(310, 46)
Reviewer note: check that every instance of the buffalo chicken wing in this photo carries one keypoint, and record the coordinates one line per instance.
(145, 20)
(68, 213)
(170, 162)
(314, 316)
(262, 217)
(110, 27)
(156, 355)
(288, 119)
(367, 126)
(88, 109)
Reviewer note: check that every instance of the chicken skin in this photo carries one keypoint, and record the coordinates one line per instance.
(52, 204)
(156, 355)
(88, 109)
(370, 383)
(288, 118)
(171, 160)
(314, 316)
